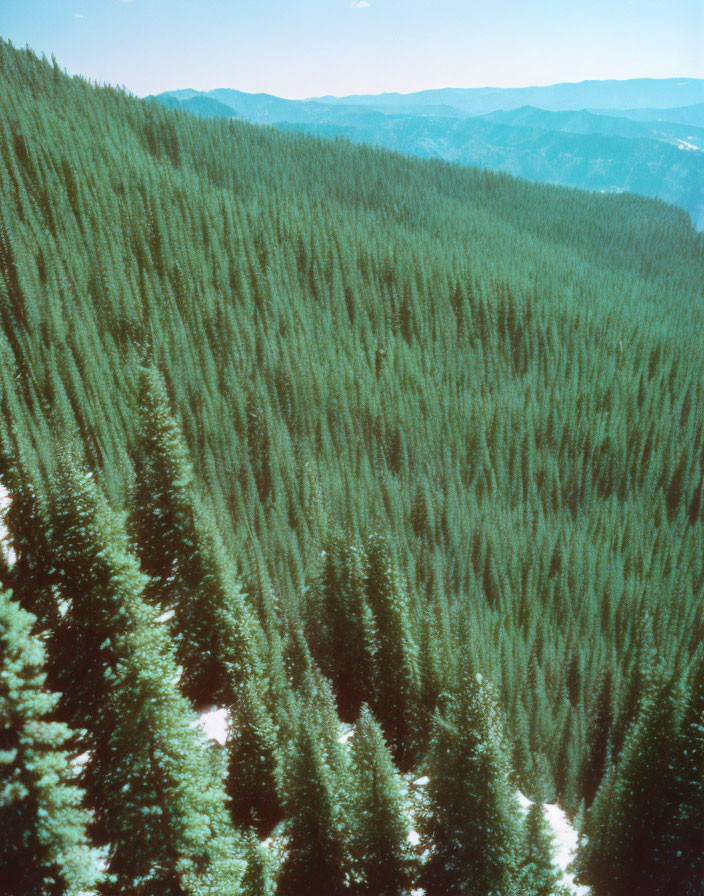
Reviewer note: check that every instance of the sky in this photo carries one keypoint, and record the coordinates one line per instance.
(303, 48)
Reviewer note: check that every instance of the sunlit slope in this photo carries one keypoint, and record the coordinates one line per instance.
(506, 378)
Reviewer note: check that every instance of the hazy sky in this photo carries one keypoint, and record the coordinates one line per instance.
(298, 48)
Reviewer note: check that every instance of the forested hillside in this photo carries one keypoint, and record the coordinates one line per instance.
(318, 434)
(656, 152)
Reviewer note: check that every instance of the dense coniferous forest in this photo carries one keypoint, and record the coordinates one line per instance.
(326, 436)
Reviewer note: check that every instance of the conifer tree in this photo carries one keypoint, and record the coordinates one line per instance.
(258, 878)
(537, 874)
(396, 700)
(182, 552)
(161, 515)
(44, 847)
(348, 639)
(156, 799)
(380, 828)
(686, 832)
(473, 821)
(316, 854)
(253, 781)
(597, 754)
(630, 822)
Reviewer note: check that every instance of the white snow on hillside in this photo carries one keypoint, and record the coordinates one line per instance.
(346, 735)
(5, 546)
(215, 723)
(566, 840)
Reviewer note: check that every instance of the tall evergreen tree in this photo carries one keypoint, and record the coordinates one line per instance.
(182, 552)
(396, 700)
(380, 826)
(473, 813)
(253, 781)
(161, 507)
(44, 847)
(156, 799)
(630, 822)
(537, 874)
(316, 857)
(343, 628)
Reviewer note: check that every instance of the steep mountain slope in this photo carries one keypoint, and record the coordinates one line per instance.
(575, 148)
(458, 414)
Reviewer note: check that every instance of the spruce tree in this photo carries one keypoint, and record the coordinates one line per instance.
(397, 693)
(598, 750)
(258, 879)
(473, 813)
(316, 857)
(343, 627)
(161, 518)
(537, 874)
(380, 827)
(157, 801)
(44, 847)
(631, 820)
(182, 552)
(253, 781)
(686, 832)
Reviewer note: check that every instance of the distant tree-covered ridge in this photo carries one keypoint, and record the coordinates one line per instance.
(309, 431)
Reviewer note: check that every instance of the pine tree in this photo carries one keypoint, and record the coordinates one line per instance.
(686, 832)
(380, 828)
(31, 576)
(258, 879)
(44, 848)
(473, 821)
(161, 516)
(348, 639)
(537, 874)
(182, 552)
(156, 799)
(630, 822)
(397, 696)
(598, 742)
(253, 782)
(316, 854)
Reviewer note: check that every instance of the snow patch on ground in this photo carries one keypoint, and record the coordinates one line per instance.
(5, 547)
(566, 840)
(346, 735)
(166, 616)
(422, 782)
(215, 724)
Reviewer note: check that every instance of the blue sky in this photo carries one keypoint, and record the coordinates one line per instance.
(314, 47)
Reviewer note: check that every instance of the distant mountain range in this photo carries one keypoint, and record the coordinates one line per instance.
(645, 136)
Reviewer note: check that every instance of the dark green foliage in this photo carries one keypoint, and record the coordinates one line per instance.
(380, 827)
(537, 875)
(44, 847)
(253, 781)
(397, 691)
(182, 552)
(342, 625)
(599, 740)
(258, 340)
(161, 502)
(473, 823)
(316, 857)
(630, 827)
(157, 803)
(258, 879)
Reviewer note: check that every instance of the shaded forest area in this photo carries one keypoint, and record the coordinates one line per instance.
(318, 433)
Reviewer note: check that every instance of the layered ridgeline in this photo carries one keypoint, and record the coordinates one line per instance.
(317, 432)
(643, 136)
